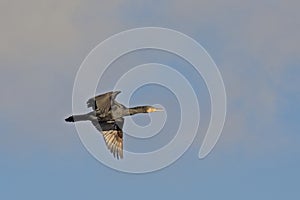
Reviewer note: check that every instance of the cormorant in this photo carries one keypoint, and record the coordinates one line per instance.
(107, 117)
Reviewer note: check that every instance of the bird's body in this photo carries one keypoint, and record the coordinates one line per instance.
(108, 117)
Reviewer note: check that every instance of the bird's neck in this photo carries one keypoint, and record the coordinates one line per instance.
(136, 110)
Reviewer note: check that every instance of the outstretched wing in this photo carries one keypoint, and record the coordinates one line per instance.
(103, 102)
(113, 135)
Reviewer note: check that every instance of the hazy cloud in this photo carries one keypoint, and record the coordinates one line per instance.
(44, 42)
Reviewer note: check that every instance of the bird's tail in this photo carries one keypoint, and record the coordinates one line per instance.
(70, 119)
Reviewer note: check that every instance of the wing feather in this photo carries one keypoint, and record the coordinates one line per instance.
(102, 103)
(113, 135)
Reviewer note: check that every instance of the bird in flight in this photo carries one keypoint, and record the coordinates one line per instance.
(108, 118)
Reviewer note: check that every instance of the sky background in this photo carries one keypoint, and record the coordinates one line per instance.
(256, 47)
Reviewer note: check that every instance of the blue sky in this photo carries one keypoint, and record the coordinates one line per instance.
(256, 47)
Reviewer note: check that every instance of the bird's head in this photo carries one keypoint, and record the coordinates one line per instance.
(150, 109)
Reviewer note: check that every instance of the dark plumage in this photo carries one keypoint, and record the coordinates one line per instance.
(108, 117)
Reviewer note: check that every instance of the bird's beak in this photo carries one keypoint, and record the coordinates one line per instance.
(158, 110)
(152, 109)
